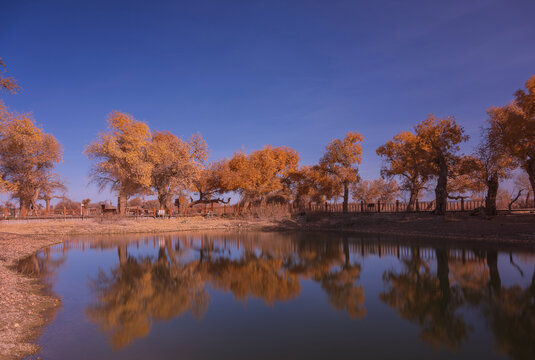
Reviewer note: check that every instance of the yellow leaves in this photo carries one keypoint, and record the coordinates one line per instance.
(342, 156)
(262, 171)
(440, 137)
(27, 155)
(121, 153)
(7, 83)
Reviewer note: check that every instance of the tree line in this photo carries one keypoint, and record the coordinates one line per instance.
(133, 160)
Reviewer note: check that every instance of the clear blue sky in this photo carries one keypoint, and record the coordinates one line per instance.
(249, 73)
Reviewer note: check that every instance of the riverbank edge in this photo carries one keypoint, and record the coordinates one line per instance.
(30, 303)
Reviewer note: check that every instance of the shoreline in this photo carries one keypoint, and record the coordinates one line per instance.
(25, 302)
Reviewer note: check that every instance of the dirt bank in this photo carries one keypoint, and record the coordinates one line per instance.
(513, 229)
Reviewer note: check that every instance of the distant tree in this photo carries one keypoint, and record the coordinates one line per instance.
(405, 158)
(27, 156)
(503, 198)
(521, 182)
(176, 164)
(52, 188)
(440, 139)
(121, 158)
(86, 202)
(135, 202)
(8, 84)
(515, 125)
(68, 204)
(340, 161)
(371, 191)
(151, 204)
(493, 162)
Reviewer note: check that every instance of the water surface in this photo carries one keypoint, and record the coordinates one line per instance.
(285, 296)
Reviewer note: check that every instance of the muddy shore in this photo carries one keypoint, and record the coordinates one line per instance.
(24, 304)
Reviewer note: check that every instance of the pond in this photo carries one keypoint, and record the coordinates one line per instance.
(286, 296)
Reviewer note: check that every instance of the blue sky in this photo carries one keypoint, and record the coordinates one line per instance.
(249, 73)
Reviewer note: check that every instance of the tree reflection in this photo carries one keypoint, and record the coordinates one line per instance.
(427, 299)
(511, 316)
(138, 291)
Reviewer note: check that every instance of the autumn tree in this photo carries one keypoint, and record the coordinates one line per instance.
(8, 84)
(175, 164)
(313, 185)
(515, 125)
(211, 181)
(521, 182)
(405, 158)
(492, 161)
(370, 191)
(262, 173)
(341, 159)
(121, 157)
(27, 157)
(439, 139)
(52, 188)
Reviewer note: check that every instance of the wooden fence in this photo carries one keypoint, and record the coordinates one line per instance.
(270, 210)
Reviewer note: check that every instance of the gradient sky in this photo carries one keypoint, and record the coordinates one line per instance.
(249, 73)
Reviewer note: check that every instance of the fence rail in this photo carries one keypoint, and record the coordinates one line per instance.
(251, 210)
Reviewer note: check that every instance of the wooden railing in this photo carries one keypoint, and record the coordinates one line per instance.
(270, 210)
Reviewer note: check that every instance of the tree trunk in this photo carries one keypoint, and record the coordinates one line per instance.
(121, 204)
(492, 263)
(441, 191)
(530, 169)
(163, 199)
(412, 200)
(346, 196)
(492, 191)
(443, 273)
(121, 251)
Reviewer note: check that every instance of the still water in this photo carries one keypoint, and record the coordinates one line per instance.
(285, 296)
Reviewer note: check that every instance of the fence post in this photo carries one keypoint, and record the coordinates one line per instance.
(378, 205)
(417, 205)
(397, 205)
(361, 206)
(462, 204)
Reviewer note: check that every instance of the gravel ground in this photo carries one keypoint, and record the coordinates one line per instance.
(22, 299)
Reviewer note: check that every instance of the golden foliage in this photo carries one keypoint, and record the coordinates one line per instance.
(27, 156)
(175, 163)
(405, 158)
(261, 173)
(121, 155)
(7, 83)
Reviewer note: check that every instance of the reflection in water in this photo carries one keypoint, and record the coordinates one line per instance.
(139, 290)
(165, 277)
